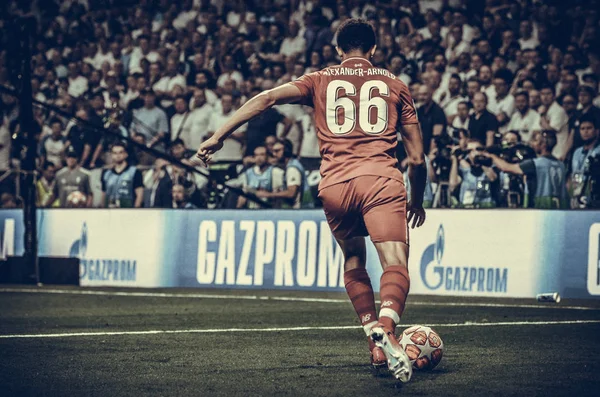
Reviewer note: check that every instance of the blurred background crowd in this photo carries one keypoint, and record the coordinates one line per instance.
(506, 91)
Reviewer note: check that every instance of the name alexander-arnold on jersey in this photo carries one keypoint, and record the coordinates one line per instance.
(343, 71)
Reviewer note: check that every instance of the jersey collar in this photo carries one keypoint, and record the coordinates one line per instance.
(357, 59)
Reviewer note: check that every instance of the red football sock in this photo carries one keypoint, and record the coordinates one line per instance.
(395, 283)
(360, 292)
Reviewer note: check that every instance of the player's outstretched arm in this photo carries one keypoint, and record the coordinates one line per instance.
(286, 93)
(417, 171)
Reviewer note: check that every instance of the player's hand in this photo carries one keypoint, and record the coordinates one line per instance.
(206, 150)
(417, 215)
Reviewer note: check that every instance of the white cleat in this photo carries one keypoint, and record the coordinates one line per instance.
(398, 362)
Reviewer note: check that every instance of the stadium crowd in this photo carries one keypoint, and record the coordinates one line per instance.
(506, 90)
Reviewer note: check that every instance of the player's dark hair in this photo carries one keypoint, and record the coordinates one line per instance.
(356, 34)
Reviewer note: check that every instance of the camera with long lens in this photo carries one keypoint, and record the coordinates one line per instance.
(512, 187)
(442, 163)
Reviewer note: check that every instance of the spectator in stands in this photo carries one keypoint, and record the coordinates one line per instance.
(260, 177)
(295, 192)
(232, 146)
(203, 81)
(525, 120)
(554, 117)
(199, 119)
(140, 157)
(483, 125)
(526, 38)
(431, 116)
(452, 98)
(485, 80)
(569, 104)
(82, 51)
(579, 182)
(181, 122)
(70, 179)
(475, 180)
(94, 139)
(270, 141)
(151, 121)
(457, 45)
(308, 151)
(158, 184)
(79, 137)
(585, 95)
(122, 185)
(166, 84)
(535, 100)
(546, 175)
(132, 91)
(180, 198)
(264, 125)
(143, 51)
(78, 84)
(473, 87)
(45, 185)
(461, 121)
(503, 105)
(53, 146)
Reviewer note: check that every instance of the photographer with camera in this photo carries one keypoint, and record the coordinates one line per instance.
(545, 173)
(473, 172)
(583, 173)
(511, 186)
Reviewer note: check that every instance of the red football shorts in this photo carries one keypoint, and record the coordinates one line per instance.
(367, 206)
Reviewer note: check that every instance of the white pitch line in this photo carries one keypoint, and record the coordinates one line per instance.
(291, 329)
(274, 298)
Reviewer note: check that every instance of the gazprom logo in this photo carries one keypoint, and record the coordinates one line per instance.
(96, 269)
(435, 274)
(79, 247)
(434, 252)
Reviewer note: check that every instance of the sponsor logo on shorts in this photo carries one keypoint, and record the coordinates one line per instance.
(437, 275)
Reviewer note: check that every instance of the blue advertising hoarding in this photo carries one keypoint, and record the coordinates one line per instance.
(496, 253)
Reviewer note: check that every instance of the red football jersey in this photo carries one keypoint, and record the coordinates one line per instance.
(358, 109)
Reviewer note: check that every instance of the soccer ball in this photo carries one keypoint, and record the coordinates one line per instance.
(76, 199)
(423, 346)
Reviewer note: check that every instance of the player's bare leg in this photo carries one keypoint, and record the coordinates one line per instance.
(394, 287)
(360, 291)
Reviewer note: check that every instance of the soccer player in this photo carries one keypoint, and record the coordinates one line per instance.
(358, 109)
